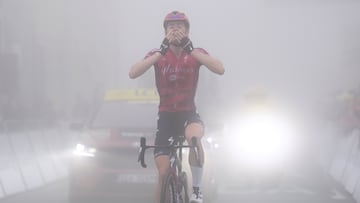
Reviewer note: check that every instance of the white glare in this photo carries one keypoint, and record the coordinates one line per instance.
(261, 139)
(81, 150)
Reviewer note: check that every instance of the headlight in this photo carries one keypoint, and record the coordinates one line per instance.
(212, 143)
(82, 150)
(260, 139)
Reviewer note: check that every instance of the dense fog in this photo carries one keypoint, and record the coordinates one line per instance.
(56, 55)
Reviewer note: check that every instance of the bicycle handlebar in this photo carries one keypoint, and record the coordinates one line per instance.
(143, 147)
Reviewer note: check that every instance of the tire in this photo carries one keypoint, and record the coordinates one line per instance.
(168, 189)
(184, 191)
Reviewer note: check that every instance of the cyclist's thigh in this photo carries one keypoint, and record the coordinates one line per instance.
(165, 125)
(194, 126)
(194, 130)
(162, 139)
(162, 164)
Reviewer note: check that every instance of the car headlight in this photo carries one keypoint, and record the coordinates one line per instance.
(260, 139)
(212, 143)
(82, 150)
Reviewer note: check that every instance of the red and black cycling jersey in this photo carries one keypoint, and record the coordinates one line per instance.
(176, 80)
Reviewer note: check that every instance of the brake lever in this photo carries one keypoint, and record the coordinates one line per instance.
(141, 157)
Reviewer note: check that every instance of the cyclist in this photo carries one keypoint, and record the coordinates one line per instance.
(177, 64)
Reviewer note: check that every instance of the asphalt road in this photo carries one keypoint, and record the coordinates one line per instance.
(295, 190)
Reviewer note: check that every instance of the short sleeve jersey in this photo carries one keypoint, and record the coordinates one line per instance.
(176, 80)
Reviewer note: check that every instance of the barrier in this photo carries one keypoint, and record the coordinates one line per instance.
(352, 170)
(357, 191)
(2, 192)
(356, 163)
(57, 143)
(3, 158)
(31, 156)
(10, 174)
(345, 165)
(25, 158)
(43, 156)
(327, 146)
(341, 157)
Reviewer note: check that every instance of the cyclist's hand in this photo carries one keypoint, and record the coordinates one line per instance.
(178, 36)
(183, 41)
(171, 36)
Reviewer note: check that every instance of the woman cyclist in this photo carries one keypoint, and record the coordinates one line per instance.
(177, 64)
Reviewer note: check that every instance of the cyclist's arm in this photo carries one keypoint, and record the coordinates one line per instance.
(208, 61)
(142, 66)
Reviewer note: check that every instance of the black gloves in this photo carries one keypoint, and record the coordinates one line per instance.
(164, 46)
(187, 45)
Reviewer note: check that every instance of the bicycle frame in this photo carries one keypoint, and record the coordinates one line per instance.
(175, 172)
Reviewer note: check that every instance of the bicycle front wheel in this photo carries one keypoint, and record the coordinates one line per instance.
(183, 190)
(168, 189)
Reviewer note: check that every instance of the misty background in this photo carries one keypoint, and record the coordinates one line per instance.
(59, 56)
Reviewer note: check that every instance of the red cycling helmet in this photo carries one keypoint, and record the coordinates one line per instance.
(176, 16)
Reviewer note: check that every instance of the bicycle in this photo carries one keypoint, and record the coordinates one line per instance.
(174, 187)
